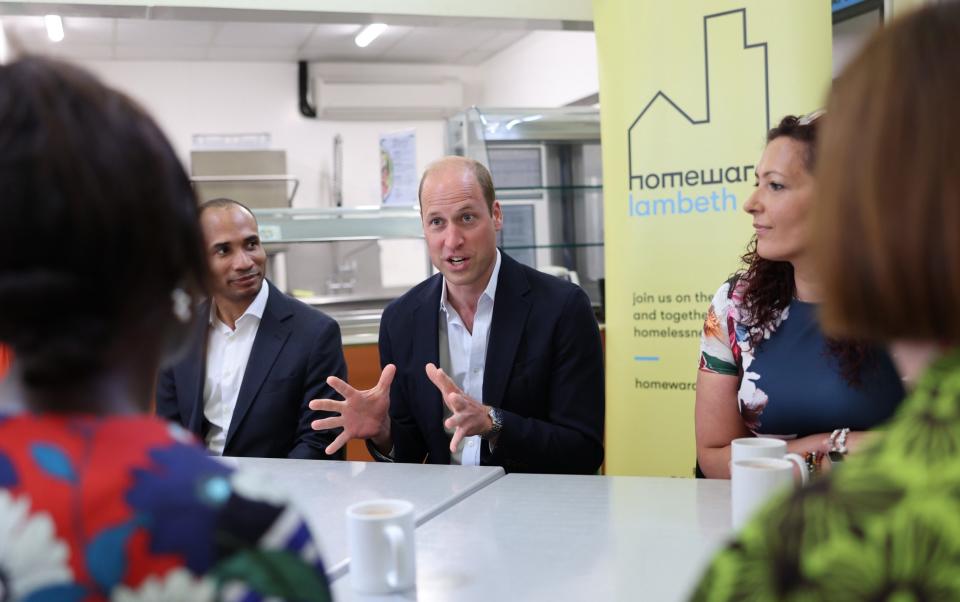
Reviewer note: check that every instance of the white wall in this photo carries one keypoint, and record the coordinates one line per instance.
(543, 69)
(189, 98)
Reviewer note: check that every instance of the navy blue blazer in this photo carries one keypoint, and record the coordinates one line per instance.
(295, 349)
(544, 370)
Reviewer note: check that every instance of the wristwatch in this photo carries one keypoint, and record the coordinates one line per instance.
(496, 417)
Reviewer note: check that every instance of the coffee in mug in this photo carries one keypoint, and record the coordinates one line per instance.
(746, 448)
(757, 447)
(380, 538)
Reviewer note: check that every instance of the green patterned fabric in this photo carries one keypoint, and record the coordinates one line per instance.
(885, 526)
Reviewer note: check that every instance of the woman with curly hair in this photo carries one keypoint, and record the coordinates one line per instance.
(887, 238)
(765, 367)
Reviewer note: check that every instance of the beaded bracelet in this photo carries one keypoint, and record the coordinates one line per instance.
(813, 460)
(838, 444)
(838, 440)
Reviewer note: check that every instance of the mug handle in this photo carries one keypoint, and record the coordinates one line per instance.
(801, 464)
(397, 541)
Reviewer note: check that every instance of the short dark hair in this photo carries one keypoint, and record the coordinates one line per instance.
(97, 222)
(887, 217)
(480, 173)
(223, 203)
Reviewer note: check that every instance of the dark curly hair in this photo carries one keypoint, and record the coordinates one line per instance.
(769, 285)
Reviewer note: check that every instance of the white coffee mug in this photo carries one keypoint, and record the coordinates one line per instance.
(745, 448)
(756, 480)
(380, 537)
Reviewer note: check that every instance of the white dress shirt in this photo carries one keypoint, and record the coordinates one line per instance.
(464, 356)
(227, 353)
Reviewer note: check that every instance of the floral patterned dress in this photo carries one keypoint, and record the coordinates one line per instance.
(790, 385)
(130, 508)
(885, 526)
(5, 359)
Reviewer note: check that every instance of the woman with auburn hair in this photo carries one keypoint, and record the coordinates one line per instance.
(766, 368)
(102, 265)
(887, 223)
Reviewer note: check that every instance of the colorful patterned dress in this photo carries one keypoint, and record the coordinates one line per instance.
(5, 358)
(790, 385)
(884, 526)
(130, 508)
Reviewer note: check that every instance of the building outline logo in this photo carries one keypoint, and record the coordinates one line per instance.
(706, 68)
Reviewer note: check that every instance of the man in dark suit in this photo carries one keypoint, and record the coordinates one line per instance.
(520, 377)
(258, 358)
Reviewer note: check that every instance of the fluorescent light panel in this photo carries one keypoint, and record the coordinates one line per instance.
(369, 33)
(54, 27)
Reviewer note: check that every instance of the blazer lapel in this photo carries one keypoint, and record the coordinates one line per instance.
(510, 311)
(271, 336)
(190, 373)
(426, 324)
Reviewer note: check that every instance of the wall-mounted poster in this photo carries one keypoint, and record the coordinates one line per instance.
(398, 168)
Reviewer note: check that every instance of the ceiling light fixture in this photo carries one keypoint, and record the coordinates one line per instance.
(54, 27)
(369, 34)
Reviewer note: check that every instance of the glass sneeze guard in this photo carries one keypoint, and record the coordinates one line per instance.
(338, 224)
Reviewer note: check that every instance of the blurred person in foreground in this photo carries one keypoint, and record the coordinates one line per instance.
(885, 525)
(766, 368)
(103, 262)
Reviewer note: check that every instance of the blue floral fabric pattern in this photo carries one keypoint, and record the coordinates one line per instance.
(130, 508)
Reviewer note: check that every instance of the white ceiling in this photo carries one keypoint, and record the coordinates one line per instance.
(140, 39)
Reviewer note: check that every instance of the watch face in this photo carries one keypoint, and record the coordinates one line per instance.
(496, 420)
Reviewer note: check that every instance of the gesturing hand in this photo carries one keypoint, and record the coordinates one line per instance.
(470, 417)
(362, 414)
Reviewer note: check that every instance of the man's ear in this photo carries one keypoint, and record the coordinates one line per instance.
(497, 216)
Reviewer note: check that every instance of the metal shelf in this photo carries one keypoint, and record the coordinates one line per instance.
(338, 224)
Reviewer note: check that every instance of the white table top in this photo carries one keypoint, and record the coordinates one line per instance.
(554, 538)
(322, 490)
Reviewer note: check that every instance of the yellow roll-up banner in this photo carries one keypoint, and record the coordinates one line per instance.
(688, 89)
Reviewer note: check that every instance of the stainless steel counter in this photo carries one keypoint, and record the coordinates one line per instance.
(359, 317)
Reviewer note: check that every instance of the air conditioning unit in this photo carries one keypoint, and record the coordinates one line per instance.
(387, 101)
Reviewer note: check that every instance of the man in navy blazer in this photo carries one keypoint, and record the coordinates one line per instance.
(520, 377)
(258, 357)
